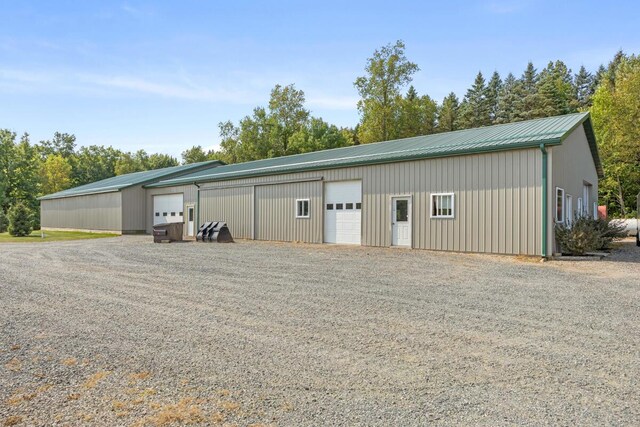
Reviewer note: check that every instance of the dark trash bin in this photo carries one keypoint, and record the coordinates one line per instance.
(170, 231)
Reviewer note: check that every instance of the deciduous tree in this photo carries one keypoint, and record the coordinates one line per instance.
(388, 71)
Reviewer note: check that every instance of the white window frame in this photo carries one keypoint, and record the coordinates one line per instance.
(453, 205)
(580, 208)
(564, 207)
(298, 210)
(569, 215)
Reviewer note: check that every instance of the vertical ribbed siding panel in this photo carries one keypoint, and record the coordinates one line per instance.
(231, 205)
(275, 212)
(90, 212)
(134, 209)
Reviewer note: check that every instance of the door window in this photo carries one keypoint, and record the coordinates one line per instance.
(402, 210)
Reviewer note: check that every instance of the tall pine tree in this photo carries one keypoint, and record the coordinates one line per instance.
(492, 95)
(583, 87)
(528, 106)
(474, 111)
(508, 100)
(448, 114)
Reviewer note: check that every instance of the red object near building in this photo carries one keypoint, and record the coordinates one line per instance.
(602, 212)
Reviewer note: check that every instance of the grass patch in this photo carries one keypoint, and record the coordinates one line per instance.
(52, 236)
(13, 420)
(94, 379)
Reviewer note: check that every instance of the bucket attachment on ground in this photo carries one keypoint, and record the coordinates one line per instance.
(216, 231)
(203, 231)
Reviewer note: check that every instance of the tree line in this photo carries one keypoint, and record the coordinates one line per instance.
(30, 170)
(390, 107)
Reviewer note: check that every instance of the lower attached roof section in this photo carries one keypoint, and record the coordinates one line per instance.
(120, 182)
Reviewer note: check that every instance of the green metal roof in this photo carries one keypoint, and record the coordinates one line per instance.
(120, 182)
(511, 136)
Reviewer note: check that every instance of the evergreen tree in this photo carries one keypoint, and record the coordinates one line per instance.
(555, 90)
(492, 95)
(528, 106)
(20, 220)
(448, 114)
(475, 111)
(508, 100)
(583, 87)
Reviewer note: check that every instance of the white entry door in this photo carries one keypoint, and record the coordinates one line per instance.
(167, 208)
(191, 221)
(401, 221)
(342, 212)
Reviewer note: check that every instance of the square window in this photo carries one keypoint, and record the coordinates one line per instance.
(180, 214)
(442, 205)
(173, 214)
(339, 206)
(349, 206)
(164, 214)
(302, 208)
(329, 206)
(358, 205)
(157, 213)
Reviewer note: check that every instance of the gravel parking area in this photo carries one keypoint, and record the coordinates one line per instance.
(120, 331)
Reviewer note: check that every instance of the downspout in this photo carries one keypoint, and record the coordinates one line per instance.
(197, 225)
(545, 214)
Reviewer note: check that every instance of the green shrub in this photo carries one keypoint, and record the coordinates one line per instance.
(609, 231)
(20, 220)
(4, 222)
(586, 234)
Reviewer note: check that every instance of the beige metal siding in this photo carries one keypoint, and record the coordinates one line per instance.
(497, 197)
(571, 166)
(189, 198)
(91, 212)
(231, 205)
(275, 212)
(134, 209)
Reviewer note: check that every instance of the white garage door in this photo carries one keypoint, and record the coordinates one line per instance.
(167, 208)
(342, 212)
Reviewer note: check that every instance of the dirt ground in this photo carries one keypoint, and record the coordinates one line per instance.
(119, 331)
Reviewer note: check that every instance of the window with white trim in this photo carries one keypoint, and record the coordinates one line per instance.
(559, 204)
(442, 205)
(580, 213)
(302, 208)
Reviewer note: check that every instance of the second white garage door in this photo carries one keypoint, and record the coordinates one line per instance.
(342, 212)
(167, 208)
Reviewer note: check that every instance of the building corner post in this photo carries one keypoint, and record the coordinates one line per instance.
(197, 225)
(545, 198)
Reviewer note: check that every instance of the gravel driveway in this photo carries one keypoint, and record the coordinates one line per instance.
(120, 331)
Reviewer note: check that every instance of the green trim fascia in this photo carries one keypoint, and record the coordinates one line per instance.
(241, 175)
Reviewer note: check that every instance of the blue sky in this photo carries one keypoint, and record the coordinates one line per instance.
(159, 75)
